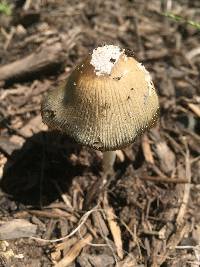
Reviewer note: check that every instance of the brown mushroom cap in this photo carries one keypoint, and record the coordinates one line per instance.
(105, 111)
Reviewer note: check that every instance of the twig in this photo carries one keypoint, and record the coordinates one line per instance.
(164, 180)
(182, 210)
(63, 196)
(27, 4)
(147, 149)
(81, 223)
(173, 242)
(114, 227)
(9, 38)
(188, 247)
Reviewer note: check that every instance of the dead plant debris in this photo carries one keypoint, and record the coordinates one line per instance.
(149, 215)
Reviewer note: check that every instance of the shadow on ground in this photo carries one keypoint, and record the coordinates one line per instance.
(32, 172)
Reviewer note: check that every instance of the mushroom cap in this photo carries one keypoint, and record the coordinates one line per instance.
(103, 107)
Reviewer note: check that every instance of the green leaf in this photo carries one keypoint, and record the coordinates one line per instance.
(181, 19)
(5, 8)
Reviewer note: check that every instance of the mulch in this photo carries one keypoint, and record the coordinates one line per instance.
(149, 213)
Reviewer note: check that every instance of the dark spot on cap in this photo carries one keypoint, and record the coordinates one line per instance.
(132, 89)
(129, 53)
(98, 145)
(128, 97)
(48, 114)
(112, 60)
(117, 78)
(105, 106)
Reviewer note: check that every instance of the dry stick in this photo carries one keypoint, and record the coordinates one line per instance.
(182, 228)
(139, 41)
(188, 247)
(74, 251)
(15, 91)
(182, 210)
(195, 159)
(104, 233)
(164, 180)
(81, 223)
(193, 53)
(77, 229)
(44, 58)
(9, 38)
(108, 243)
(133, 235)
(27, 4)
(64, 246)
(162, 177)
(195, 108)
(55, 213)
(173, 242)
(196, 250)
(114, 227)
(112, 250)
(147, 149)
(63, 196)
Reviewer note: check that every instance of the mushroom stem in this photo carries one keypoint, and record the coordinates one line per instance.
(108, 161)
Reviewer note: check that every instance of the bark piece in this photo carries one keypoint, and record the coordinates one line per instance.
(17, 228)
(45, 58)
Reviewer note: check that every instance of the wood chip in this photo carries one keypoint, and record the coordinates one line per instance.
(102, 260)
(120, 155)
(147, 149)
(17, 228)
(100, 223)
(129, 261)
(49, 229)
(3, 161)
(166, 157)
(187, 187)
(195, 108)
(54, 213)
(34, 126)
(62, 248)
(114, 227)
(74, 251)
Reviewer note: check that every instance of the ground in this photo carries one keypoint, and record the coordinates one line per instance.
(149, 213)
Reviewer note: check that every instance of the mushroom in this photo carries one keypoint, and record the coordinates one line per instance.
(107, 101)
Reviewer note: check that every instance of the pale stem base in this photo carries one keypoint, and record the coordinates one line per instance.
(108, 162)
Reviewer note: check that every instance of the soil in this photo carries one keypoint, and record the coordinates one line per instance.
(53, 212)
